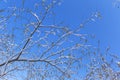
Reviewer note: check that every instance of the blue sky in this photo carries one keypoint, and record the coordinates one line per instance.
(106, 29)
(74, 12)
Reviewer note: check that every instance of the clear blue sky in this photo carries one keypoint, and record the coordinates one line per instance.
(74, 12)
(107, 30)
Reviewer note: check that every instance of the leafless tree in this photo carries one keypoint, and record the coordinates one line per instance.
(34, 47)
(104, 66)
